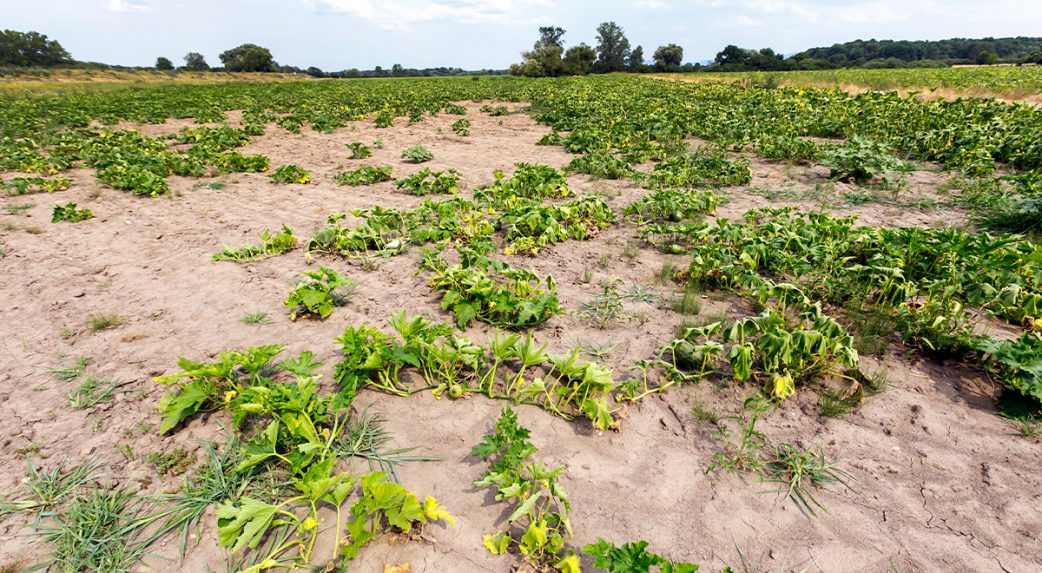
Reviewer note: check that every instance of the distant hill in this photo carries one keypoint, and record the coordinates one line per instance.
(871, 53)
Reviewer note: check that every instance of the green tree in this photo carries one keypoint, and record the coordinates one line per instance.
(987, 58)
(248, 58)
(613, 49)
(636, 61)
(30, 49)
(669, 57)
(195, 62)
(164, 64)
(578, 60)
(545, 57)
(551, 36)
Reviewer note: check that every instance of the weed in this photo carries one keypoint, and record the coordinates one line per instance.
(47, 489)
(212, 185)
(586, 276)
(258, 318)
(71, 372)
(16, 209)
(172, 463)
(798, 470)
(597, 351)
(29, 450)
(1028, 427)
(605, 310)
(688, 302)
(603, 261)
(94, 391)
(630, 252)
(100, 322)
(666, 273)
(704, 413)
(365, 437)
(360, 150)
(127, 452)
(67, 333)
(640, 293)
(96, 532)
(834, 404)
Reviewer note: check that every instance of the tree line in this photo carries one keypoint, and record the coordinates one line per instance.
(612, 53)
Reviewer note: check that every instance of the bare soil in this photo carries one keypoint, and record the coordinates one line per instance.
(941, 481)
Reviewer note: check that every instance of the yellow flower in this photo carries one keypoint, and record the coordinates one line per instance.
(229, 396)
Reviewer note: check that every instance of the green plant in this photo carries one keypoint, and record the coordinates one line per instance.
(605, 310)
(491, 291)
(256, 318)
(291, 174)
(97, 531)
(94, 391)
(172, 463)
(70, 213)
(45, 490)
(316, 296)
(672, 205)
(859, 159)
(632, 557)
(33, 185)
(360, 150)
(72, 372)
(99, 322)
(365, 175)
(272, 245)
(461, 127)
(235, 162)
(541, 507)
(417, 154)
(427, 182)
(799, 470)
(365, 437)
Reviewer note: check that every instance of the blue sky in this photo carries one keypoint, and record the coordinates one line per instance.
(473, 34)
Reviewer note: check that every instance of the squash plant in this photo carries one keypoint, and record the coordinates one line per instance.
(70, 213)
(316, 296)
(272, 245)
(539, 524)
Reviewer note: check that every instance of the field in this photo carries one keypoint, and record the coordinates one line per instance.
(484, 324)
(1003, 82)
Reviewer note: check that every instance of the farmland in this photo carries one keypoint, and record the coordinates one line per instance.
(1003, 82)
(483, 324)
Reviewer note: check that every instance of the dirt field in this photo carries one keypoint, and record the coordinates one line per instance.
(941, 481)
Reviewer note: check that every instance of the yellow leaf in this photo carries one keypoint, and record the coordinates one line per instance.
(435, 512)
(401, 568)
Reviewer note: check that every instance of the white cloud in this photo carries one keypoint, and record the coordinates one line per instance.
(129, 6)
(739, 21)
(653, 5)
(400, 15)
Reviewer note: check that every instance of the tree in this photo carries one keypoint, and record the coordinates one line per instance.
(396, 70)
(579, 59)
(987, 58)
(636, 62)
(613, 49)
(550, 36)
(195, 62)
(731, 54)
(30, 49)
(164, 64)
(669, 57)
(544, 59)
(248, 58)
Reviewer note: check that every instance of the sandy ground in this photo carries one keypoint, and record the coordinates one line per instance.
(942, 484)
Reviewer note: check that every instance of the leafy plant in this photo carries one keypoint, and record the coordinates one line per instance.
(365, 175)
(272, 245)
(235, 162)
(316, 296)
(70, 213)
(491, 291)
(427, 182)
(539, 521)
(417, 154)
(359, 150)
(859, 159)
(461, 127)
(632, 557)
(33, 185)
(291, 174)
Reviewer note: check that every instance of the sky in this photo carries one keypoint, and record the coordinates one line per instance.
(479, 34)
